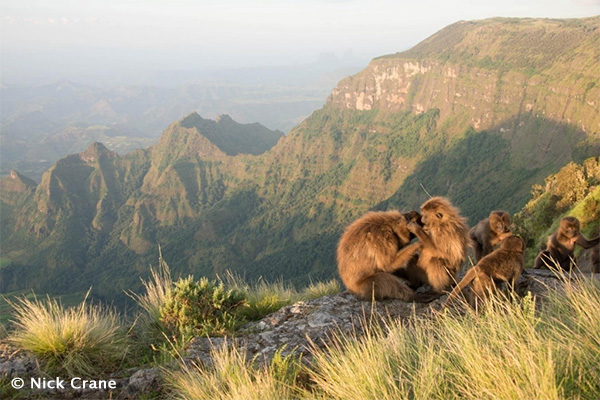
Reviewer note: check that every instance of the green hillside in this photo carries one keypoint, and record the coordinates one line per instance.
(481, 133)
(572, 191)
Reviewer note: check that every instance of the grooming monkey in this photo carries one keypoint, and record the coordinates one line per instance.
(503, 264)
(489, 232)
(444, 238)
(561, 245)
(371, 248)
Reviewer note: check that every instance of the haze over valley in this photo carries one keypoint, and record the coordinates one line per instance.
(42, 123)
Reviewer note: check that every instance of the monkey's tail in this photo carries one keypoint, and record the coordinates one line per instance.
(468, 278)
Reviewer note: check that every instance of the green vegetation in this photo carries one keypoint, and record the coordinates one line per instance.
(200, 308)
(554, 346)
(172, 313)
(85, 340)
(572, 191)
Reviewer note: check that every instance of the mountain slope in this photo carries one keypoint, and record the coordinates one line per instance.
(480, 132)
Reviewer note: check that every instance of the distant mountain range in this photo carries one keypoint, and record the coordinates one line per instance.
(41, 124)
(479, 112)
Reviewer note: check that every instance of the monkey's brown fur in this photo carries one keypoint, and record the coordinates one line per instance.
(561, 245)
(503, 264)
(445, 239)
(489, 232)
(370, 249)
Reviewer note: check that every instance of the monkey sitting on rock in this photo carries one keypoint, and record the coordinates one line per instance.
(445, 240)
(373, 247)
(504, 264)
(489, 232)
(561, 245)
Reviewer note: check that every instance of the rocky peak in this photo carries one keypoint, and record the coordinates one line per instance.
(192, 120)
(95, 152)
(16, 182)
(226, 134)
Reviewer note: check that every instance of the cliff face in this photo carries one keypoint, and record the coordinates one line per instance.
(487, 72)
(478, 112)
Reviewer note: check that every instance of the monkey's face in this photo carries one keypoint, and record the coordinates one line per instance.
(438, 211)
(433, 217)
(414, 216)
(500, 222)
(570, 227)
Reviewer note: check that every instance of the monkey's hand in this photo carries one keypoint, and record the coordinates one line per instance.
(504, 235)
(404, 255)
(413, 227)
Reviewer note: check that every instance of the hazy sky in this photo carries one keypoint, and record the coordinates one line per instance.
(59, 38)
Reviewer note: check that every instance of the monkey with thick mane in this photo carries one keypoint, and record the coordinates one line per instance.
(561, 245)
(371, 248)
(445, 240)
(503, 264)
(489, 232)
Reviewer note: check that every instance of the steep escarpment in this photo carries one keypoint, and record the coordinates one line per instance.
(478, 112)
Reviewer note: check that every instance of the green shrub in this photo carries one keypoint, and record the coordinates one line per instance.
(82, 341)
(201, 308)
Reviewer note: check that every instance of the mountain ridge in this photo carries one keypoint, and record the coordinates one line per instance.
(471, 133)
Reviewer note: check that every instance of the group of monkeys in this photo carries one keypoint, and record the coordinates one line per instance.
(376, 259)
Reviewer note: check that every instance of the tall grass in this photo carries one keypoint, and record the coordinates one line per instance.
(506, 351)
(85, 340)
(265, 298)
(232, 377)
(571, 318)
(509, 349)
(262, 298)
(157, 289)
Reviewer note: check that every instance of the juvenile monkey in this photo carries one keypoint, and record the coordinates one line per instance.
(445, 239)
(503, 264)
(489, 232)
(561, 245)
(370, 249)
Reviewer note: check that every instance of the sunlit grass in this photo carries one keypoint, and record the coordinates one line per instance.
(84, 340)
(233, 377)
(264, 298)
(507, 350)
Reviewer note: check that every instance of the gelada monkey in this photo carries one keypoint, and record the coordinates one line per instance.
(561, 245)
(445, 240)
(489, 232)
(371, 248)
(503, 264)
